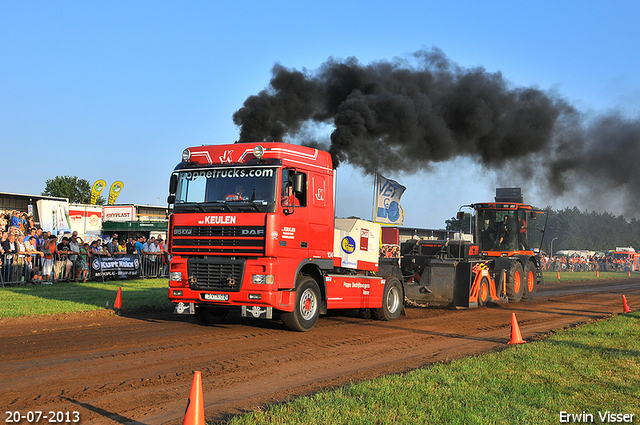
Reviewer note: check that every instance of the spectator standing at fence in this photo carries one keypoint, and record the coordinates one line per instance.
(64, 249)
(112, 246)
(164, 256)
(147, 245)
(22, 260)
(49, 249)
(15, 219)
(30, 234)
(74, 245)
(139, 244)
(23, 225)
(94, 248)
(154, 252)
(33, 260)
(7, 218)
(84, 261)
(10, 248)
(131, 244)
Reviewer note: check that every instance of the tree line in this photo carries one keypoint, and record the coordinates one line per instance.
(571, 228)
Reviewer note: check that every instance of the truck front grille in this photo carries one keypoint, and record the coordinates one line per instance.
(215, 274)
(218, 240)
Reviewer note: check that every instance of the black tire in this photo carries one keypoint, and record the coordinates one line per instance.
(307, 307)
(529, 282)
(210, 315)
(365, 313)
(483, 292)
(515, 286)
(392, 301)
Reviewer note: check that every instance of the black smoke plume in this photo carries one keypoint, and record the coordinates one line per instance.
(406, 114)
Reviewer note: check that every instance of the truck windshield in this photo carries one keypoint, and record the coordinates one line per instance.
(237, 189)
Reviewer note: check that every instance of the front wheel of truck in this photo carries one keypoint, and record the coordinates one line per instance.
(307, 307)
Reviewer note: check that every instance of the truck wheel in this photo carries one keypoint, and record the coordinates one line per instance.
(365, 313)
(529, 282)
(391, 301)
(210, 315)
(515, 286)
(483, 292)
(307, 307)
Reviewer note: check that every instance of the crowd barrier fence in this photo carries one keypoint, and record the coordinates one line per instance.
(35, 267)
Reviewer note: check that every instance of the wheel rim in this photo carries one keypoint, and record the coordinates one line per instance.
(531, 281)
(393, 299)
(484, 292)
(308, 304)
(516, 282)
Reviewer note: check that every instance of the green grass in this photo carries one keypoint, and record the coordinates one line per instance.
(594, 368)
(552, 277)
(68, 297)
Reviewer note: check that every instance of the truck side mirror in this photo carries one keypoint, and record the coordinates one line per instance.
(171, 199)
(299, 182)
(460, 215)
(173, 185)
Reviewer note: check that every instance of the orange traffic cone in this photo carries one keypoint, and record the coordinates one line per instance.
(625, 306)
(558, 274)
(516, 337)
(194, 415)
(629, 273)
(118, 303)
(597, 273)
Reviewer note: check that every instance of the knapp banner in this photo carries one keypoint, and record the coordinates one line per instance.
(387, 201)
(123, 265)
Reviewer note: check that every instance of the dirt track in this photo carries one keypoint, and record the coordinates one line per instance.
(137, 369)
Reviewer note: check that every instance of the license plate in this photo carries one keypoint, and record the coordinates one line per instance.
(216, 297)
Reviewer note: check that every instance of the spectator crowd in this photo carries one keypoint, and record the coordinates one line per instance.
(576, 263)
(28, 254)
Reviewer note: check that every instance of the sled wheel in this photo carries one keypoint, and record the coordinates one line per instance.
(483, 292)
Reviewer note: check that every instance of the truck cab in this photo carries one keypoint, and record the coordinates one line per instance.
(245, 219)
(252, 227)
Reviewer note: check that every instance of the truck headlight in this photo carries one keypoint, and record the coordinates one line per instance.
(177, 276)
(262, 279)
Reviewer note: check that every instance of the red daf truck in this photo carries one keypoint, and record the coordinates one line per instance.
(252, 227)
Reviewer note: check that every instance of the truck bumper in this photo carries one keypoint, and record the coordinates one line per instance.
(280, 300)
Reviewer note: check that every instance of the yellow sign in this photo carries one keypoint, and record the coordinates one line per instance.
(116, 187)
(96, 190)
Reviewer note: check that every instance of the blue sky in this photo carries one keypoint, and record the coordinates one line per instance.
(116, 90)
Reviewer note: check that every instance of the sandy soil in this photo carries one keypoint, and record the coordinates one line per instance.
(137, 368)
